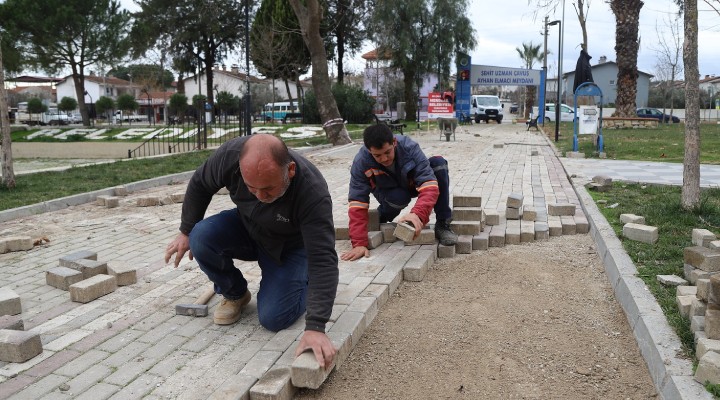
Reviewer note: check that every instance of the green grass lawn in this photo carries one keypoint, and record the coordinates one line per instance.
(665, 143)
(660, 205)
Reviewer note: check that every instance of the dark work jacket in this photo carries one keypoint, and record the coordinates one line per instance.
(301, 218)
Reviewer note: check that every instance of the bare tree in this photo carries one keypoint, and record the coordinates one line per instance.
(309, 15)
(582, 8)
(691, 161)
(8, 176)
(669, 63)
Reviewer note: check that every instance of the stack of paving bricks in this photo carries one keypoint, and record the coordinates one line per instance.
(88, 279)
(150, 201)
(16, 344)
(701, 303)
(634, 228)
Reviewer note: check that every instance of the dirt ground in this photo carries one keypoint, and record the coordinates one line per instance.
(530, 321)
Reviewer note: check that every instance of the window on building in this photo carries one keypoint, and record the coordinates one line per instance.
(612, 82)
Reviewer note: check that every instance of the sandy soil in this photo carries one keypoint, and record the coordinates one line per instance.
(534, 321)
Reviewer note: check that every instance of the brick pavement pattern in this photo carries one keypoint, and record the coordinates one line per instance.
(129, 343)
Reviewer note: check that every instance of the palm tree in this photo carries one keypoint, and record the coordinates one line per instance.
(627, 16)
(529, 54)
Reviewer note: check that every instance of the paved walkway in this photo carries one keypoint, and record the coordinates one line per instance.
(130, 344)
(662, 173)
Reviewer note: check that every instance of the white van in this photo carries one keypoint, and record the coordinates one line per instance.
(486, 107)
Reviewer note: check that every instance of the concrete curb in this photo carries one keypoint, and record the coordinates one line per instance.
(659, 345)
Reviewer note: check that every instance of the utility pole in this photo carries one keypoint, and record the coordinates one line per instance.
(541, 107)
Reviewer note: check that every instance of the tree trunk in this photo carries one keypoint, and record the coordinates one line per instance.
(529, 100)
(410, 95)
(309, 17)
(8, 175)
(627, 15)
(79, 82)
(691, 162)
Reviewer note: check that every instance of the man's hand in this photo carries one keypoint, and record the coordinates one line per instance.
(180, 245)
(415, 221)
(321, 346)
(355, 253)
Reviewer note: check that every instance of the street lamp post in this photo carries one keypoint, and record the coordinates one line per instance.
(559, 78)
(248, 106)
(91, 102)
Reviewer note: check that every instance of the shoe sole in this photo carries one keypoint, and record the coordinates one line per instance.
(230, 321)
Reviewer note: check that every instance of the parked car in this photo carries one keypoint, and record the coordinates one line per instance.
(657, 114)
(566, 113)
(75, 118)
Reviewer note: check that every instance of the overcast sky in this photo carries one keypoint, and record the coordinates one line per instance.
(502, 26)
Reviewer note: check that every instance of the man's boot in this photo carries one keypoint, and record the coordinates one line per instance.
(228, 311)
(444, 234)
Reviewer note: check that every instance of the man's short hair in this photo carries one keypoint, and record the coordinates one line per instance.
(377, 136)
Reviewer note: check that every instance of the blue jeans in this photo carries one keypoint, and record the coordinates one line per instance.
(395, 200)
(217, 240)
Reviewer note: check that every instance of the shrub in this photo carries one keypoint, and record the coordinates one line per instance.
(355, 105)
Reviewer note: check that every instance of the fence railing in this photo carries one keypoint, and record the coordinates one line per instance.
(189, 133)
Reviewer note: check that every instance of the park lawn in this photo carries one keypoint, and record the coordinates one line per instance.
(660, 205)
(665, 143)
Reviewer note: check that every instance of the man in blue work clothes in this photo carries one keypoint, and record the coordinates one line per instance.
(395, 170)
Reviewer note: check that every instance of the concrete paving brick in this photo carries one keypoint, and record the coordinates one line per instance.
(19, 346)
(702, 237)
(467, 201)
(492, 217)
(464, 244)
(121, 191)
(542, 231)
(149, 201)
(686, 290)
(89, 268)
(260, 363)
(274, 385)
(342, 233)
(427, 236)
(13, 322)
(66, 261)
(581, 225)
(306, 372)
(513, 213)
(568, 225)
(375, 239)
(708, 369)
(702, 258)
(9, 302)
(632, 218)
(671, 280)
(527, 231)
(512, 232)
(235, 388)
(92, 288)
(515, 200)
(467, 213)
(373, 220)
(15, 243)
(138, 388)
(352, 323)
(432, 247)
(641, 233)
(561, 209)
(41, 388)
(379, 292)
(125, 355)
(496, 236)
(466, 227)
(529, 213)
(365, 305)
(388, 230)
(417, 266)
(698, 307)
(91, 376)
(404, 231)
(283, 340)
(351, 291)
(684, 303)
(703, 287)
(124, 273)
(446, 251)
(62, 277)
(481, 241)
